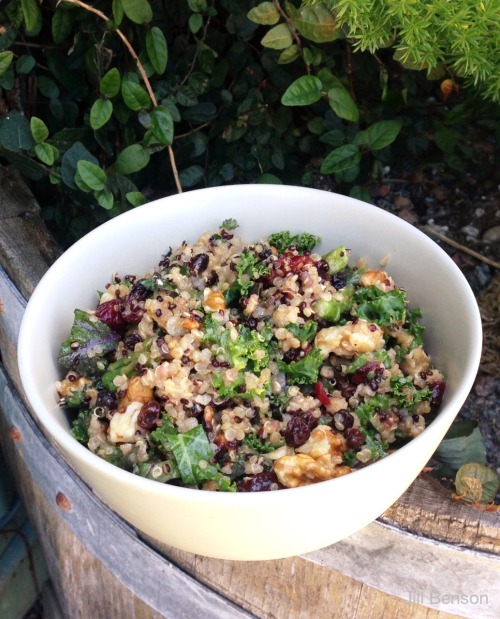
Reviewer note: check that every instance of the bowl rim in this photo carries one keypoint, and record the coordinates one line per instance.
(60, 435)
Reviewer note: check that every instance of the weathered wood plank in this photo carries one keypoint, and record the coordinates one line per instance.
(427, 509)
(11, 312)
(301, 588)
(26, 247)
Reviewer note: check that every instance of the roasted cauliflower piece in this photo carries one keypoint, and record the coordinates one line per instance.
(353, 338)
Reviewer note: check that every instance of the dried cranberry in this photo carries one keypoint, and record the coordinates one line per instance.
(226, 235)
(131, 340)
(297, 431)
(259, 483)
(290, 263)
(354, 438)
(132, 310)
(438, 388)
(149, 415)
(321, 394)
(106, 399)
(198, 264)
(338, 281)
(343, 420)
(109, 313)
(323, 267)
(347, 389)
(251, 323)
(139, 291)
(212, 279)
(292, 355)
(367, 373)
(196, 409)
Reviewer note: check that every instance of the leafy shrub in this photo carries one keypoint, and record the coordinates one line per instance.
(105, 106)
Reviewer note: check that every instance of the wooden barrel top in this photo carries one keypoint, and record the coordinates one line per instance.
(427, 556)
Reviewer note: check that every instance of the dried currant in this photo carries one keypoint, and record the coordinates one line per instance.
(149, 414)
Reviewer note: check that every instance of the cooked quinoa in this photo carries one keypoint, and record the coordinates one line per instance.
(248, 366)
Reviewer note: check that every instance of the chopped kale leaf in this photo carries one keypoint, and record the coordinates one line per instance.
(302, 242)
(383, 308)
(305, 370)
(89, 342)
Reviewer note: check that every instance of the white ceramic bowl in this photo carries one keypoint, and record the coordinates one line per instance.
(266, 525)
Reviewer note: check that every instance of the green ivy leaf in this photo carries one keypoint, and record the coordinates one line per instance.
(5, 61)
(100, 113)
(279, 37)
(348, 175)
(15, 132)
(105, 199)
(156, 46)
(136, 198)
(29, 167)
(118, 12)
(289, 54)
(342, 103)
(197, 6)
(162, 125)
(32, 17)
(132, 159)
(265, 14)
(316, 23)
(109, 85)
(46, 153)
(14, 12)
(334, 137)
(135, 96)
(381, 134)
(39, 129)
(7, 80)
(191, 176)
(25, 64)
(69, 162)
(340, 159)
(269, 179)
(195, 22)
(303, 91)
(462, 443)
(47, 87)
(81, 184)
(446, 139)
(92, 175)
(138, 11)
(360, 193)
(61, 25)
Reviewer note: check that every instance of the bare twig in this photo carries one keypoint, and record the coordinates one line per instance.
(462, 248)
(145, 78)
(293, 33)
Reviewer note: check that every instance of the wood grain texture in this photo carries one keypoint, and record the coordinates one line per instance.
(26, 247)
(296, 588)
(427, 509)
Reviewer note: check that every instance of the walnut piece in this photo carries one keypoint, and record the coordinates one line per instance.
(353, 338)
(319, 459)
(375, 277)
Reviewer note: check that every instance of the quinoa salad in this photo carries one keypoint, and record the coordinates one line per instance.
(238, 366)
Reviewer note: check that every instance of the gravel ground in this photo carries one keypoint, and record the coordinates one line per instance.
(469, 216)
